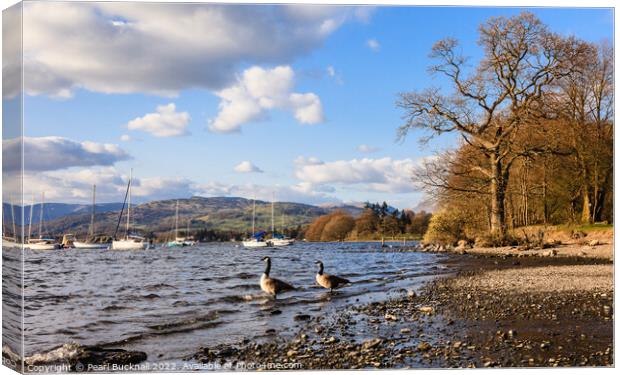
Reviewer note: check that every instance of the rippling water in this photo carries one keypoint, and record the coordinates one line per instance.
(168, 302)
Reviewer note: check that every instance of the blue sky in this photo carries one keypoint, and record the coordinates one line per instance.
(303, 143)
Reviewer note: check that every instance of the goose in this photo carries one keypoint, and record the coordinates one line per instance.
(330, 282)
(271, 285)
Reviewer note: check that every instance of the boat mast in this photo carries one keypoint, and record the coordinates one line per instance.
(13, 219)
(253, 215)
(92, 215)
(30, 222)
(128, 203)
(41, 215)
(273, 224)
(282, 224)
(176, 222)
(3, 222)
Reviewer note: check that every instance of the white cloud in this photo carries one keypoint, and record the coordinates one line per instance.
(259, 90)
(294, 193)
(162, 48)
(307, 108)
(11, 52)
(373, 44)
(378, 175)
(333, 74)
(153, 188)
(125, 138)
(52, 153)
(364, 13)
(331, 71)
(75, 185)
(247, 167)
(165, 122)
(367, 149)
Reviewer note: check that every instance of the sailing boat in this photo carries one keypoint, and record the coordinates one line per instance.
(178, 241)
(9, 241)
(42, 243)
(278, 240)
(91, 243)
(258, 239)
(189, 240)
(130, 242)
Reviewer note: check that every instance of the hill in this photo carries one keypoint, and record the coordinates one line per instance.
(217, 213)
(55, 210)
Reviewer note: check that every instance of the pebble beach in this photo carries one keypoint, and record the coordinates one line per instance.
(496, 309)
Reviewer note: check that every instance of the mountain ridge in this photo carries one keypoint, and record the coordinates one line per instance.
(217, 213)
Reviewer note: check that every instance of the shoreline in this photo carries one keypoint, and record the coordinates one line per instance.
(491, 309)
(461, 320)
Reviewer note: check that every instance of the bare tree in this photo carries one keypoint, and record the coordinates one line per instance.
(489, 104)
(585, 103)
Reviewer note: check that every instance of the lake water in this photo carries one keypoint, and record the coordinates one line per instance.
(169, 302)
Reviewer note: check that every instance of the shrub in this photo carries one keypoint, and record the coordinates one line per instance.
(446, 227)
(337, 228)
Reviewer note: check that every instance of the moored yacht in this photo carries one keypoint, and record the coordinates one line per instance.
(9, 241)
(92, 241)
(278, 240)
(42, 243)
(130, 242)
(257, 239)
(179, 241)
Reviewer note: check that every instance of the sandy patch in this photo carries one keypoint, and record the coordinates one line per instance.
(601, 251)
(577, 278)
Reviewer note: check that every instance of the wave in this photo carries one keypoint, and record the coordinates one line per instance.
(114, 308)
(158, 286)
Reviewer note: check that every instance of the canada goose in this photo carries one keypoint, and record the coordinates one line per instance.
(270, 285)
(330, 282)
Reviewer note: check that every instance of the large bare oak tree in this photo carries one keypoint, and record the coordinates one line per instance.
(490, 103)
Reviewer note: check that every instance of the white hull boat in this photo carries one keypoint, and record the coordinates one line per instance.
(91, 241)
(129, 244)
(90, 245)
(44, 244)
(10, 243)
(179, 241)
(278, 242)
(258, 238)
(255, 243)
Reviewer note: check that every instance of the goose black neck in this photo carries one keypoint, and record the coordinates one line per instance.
(268, 267)
(320, 268)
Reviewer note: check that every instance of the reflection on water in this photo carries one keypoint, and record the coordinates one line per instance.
(167, 302)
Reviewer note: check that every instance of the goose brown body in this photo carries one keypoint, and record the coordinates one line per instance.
(272, 285)
(327, 281)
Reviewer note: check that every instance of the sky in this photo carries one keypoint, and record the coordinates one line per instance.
(291, 102)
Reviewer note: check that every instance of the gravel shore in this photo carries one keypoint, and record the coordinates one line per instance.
(494, 312)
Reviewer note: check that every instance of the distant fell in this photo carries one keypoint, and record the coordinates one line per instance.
(218, 213)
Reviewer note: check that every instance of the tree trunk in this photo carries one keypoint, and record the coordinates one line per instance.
(498, 192)
(585, 211)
